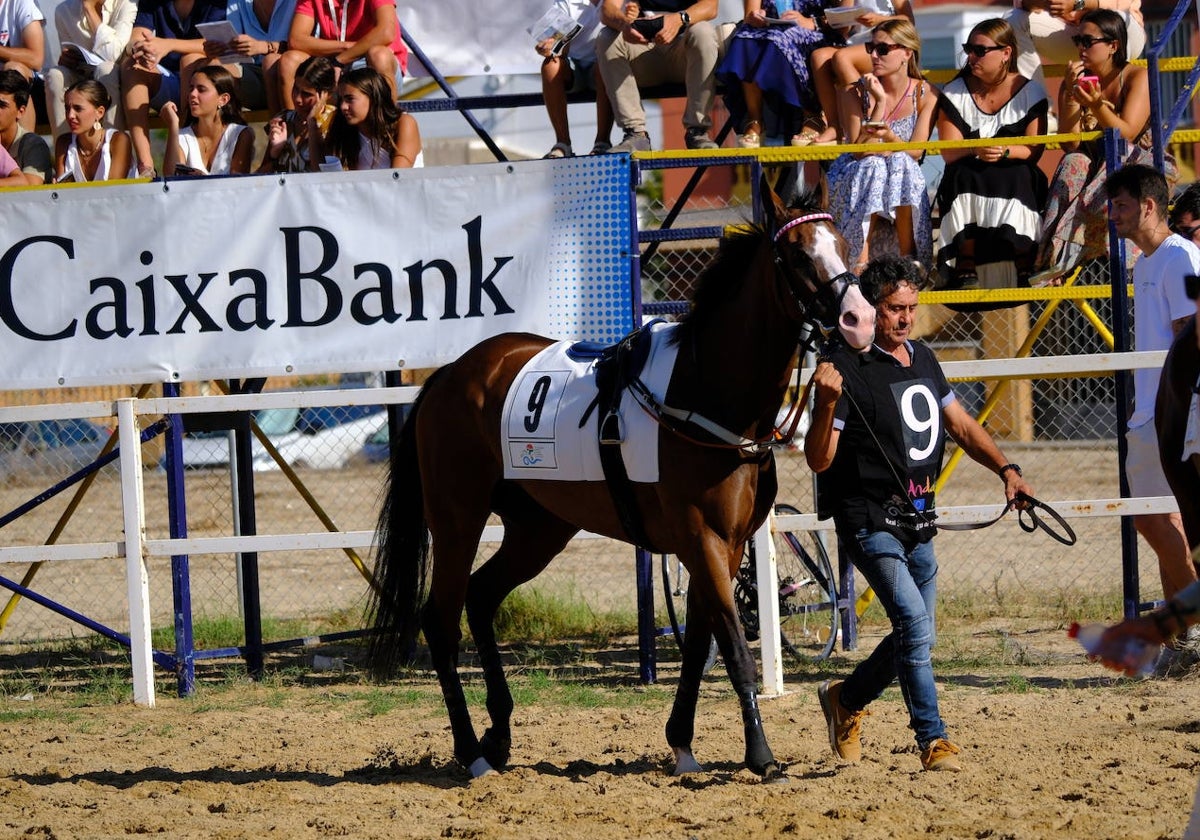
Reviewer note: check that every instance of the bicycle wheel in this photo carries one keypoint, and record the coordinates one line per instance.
(675, 583)
(808, 612)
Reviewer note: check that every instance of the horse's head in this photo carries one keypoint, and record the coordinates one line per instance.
(812, 255)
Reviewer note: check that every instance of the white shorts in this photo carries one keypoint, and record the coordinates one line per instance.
(1143, 469)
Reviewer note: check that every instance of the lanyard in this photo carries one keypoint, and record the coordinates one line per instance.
(333, 16)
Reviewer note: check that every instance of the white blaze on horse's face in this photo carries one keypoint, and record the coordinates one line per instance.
(856, 320)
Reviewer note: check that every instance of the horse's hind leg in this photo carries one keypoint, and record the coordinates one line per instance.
(527, 548)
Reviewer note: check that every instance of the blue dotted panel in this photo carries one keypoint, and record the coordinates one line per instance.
(589, 290)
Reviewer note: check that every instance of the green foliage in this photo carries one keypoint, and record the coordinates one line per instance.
(529, 615)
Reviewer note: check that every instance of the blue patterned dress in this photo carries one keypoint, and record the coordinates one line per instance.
(875, 185)
(775, 58)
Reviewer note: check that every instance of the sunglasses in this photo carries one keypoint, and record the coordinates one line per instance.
(1087, 41)
(979, 50)
(875, 48)
(1186, 232)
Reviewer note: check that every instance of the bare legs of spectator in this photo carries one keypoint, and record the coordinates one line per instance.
(29, 118)
(558, 77)
(58, 79)
(820, 68)
(138, 88)
(1164, 533)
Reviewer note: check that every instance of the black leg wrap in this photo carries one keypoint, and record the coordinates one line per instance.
(759, 758)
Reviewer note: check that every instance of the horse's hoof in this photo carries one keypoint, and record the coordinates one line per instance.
(480, 768)
(685, 762)
(496, 749)
(773, 775)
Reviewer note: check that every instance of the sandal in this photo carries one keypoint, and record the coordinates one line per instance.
(600, 147)
(559, 150)
(805, 138)
(752, 137)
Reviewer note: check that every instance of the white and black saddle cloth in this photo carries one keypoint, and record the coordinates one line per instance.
(550, 431)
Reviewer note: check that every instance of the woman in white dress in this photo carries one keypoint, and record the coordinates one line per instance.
(369, 130)
(89, 151)
(215, 139)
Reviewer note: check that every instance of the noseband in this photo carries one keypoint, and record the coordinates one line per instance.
(847, 278)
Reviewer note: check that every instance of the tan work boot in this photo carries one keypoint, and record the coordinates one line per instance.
(845, 726)
(941, 755)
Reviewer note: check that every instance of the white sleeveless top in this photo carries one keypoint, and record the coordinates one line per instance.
(371, 156)
(73, 165)
(222, 160)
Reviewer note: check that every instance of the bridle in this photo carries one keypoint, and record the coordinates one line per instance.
(790, 281)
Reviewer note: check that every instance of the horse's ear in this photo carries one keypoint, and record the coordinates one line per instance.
(820, 192)
(775, 213)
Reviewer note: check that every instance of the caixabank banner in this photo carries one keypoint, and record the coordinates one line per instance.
(314, 273)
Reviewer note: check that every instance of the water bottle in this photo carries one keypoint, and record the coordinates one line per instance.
(1135, 655)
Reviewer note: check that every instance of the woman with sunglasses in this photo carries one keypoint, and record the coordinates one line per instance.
(1100, 90)
(1046, 30)
(990, 198)
(768, 55)
(880, 200)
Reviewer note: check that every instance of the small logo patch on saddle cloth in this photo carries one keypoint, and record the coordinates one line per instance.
(540, 433)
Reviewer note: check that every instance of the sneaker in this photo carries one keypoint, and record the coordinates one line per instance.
(697, 138)
(633, 141)
(941, 755)
(845, 726)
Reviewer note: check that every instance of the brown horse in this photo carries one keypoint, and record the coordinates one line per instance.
(736, 356)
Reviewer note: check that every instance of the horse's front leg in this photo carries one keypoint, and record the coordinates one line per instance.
(681, 723)
(743, 673)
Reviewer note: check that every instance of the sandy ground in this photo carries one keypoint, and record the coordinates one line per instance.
(1052, 747)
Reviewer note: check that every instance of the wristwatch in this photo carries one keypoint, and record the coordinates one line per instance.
(1008, 467)
(1080, 5)
(685, 20)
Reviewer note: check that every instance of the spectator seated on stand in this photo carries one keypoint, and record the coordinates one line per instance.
(215, 139)
(10, 174)
(652, 43)
(91, 150)
(769, 55)
(102, 29)
(22, 43)
(369, 130)
(28, 149)
(991, 197)
(161, 45)
(262, 30)
(1100, 90)
(880, 201)
(1046, 29)
(351, 33)
(287, 132)
(835, 69)
(570, 67)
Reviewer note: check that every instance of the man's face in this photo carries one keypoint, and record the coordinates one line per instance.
(9, 113)
(1126, 213)
(894, 317)
(1187, 226)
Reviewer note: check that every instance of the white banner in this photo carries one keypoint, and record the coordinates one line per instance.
(314, 273)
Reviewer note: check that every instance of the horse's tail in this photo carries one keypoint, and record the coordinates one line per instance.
(401, 556)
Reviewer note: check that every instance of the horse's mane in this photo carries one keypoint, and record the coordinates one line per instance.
(721, 280)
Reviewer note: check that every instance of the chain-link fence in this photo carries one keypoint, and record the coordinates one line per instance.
(1062, 430)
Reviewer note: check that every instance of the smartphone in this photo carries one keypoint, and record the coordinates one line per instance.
(648, 27)
(1095, 80)
(186, 171)
(874, 125)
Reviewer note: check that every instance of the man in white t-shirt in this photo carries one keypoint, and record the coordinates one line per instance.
(22, 42)
(1138, 198)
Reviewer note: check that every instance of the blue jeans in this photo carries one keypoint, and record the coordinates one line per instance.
(904, 577)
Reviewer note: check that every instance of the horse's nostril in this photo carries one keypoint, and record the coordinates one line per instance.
(850, 319)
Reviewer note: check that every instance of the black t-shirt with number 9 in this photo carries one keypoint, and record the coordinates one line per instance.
(890, 448)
